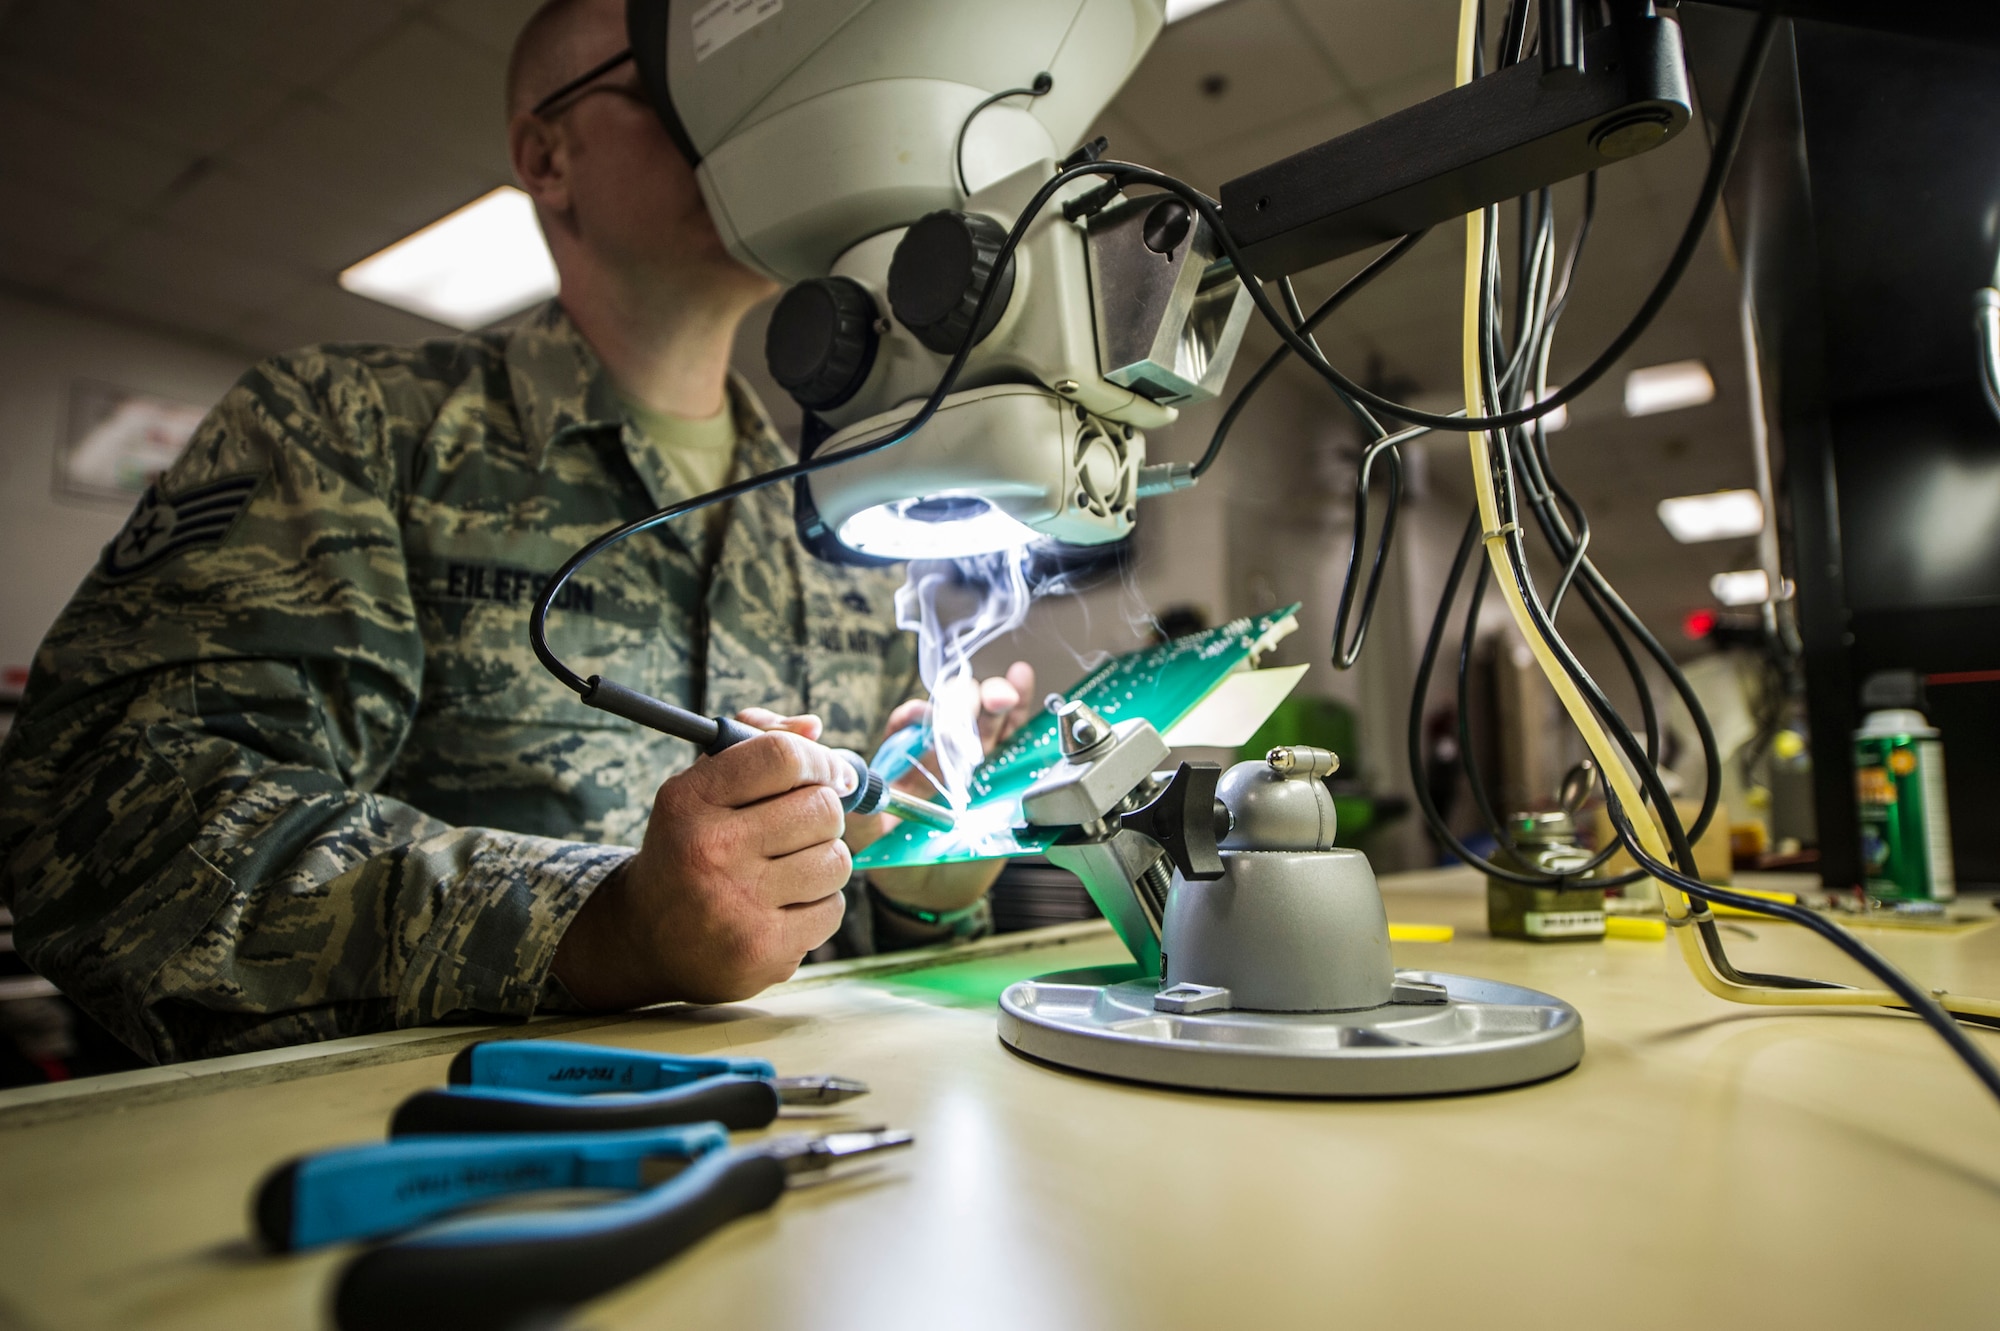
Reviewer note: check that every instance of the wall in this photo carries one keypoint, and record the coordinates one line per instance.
(48, 541)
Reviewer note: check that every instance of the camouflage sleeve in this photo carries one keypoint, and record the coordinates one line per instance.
(188, 835)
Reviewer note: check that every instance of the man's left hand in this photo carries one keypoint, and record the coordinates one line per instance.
(1005, 704)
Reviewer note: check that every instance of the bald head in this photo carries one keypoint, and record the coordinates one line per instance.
(559, 41)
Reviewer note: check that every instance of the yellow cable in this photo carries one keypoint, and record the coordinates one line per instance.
(1609, 760)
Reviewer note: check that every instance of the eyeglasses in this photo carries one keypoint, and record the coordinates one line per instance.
(582, 80)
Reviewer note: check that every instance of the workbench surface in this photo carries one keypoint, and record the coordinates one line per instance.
(1707, 1165)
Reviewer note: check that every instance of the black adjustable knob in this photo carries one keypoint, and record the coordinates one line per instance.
(1187, 820)
(821, 342)
(940, 267)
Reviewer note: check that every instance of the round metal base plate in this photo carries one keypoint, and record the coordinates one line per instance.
(1488, 1036)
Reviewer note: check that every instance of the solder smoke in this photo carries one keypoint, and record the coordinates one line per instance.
(955, 607)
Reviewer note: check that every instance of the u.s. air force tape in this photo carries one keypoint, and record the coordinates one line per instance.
(161, 527)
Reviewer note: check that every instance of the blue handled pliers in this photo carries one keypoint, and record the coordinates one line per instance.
(560, 1086)
(527, 1268)
(363, 1192)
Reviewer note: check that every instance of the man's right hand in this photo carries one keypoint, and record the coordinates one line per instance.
(739, 876)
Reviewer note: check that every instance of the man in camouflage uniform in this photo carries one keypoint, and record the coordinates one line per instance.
(287, 768)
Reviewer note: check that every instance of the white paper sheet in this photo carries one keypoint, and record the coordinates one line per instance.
(1231, 713)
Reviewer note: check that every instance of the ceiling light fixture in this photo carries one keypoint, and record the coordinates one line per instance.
(1669, 387)
(1713, 517)
(1747, 586)
(1180, 9)
(466, 269)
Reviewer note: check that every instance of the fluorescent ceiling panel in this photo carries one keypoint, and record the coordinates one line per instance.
(466, 269)
(1713, 517)
(1748, 586)
(1669, 387)
(1180, 9)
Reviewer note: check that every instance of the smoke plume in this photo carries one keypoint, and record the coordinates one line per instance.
(955, 607)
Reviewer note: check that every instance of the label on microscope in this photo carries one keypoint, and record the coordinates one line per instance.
(1563, 923)
(720, 22)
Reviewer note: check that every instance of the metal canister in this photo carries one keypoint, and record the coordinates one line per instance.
(1899, 786)
(1544, 843)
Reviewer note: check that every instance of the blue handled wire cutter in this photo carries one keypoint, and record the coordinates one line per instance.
(537, 1115)
(560, 1086)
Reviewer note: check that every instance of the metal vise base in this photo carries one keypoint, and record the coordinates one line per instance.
(1486, 1036)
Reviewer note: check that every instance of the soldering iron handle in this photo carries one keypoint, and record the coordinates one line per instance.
(711, 734)
(528, 1269)
(735, 1102)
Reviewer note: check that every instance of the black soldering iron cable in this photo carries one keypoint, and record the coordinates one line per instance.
(538, 617)
(1112, 170)
(1211, 211)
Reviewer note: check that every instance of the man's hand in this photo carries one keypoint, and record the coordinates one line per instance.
(738, 878)
(1005, 704)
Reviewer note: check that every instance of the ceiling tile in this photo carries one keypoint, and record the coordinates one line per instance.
(50, 147)
(57, 224)
(428, 89)
(1209, 167)
(119, 62)
(27, 265)
(189, 312)
(1129, 143)
(322, 149)
(1267, 72)
(218, 277)
(1379, 44)
(309, 228)
(487, 23)
(297, 41)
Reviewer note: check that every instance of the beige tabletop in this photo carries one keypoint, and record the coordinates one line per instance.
(1706, 1166)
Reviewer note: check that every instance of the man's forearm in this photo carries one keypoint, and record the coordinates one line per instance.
(201, 896)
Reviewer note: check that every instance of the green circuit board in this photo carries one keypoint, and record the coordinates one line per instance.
(1161, 684)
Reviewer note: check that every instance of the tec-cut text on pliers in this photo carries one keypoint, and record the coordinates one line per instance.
(560, 1086)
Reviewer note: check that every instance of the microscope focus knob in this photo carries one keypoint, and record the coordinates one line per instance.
(821, 341)
(940, 268)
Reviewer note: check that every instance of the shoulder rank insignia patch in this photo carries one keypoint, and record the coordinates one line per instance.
(161, 527)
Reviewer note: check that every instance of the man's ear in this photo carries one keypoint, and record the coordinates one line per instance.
(540, 154)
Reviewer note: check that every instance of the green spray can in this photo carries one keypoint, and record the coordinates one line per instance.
(1899, 782)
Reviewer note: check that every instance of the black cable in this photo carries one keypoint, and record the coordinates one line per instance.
(1514, 547)
(1362, 417)
(1916, 999)
(1375, 268)
(1537, 329)
(1212, 213)
(1347, 651)
(538, 617)
(1128, 171)
(1413, 739)
(1704, 924)
(1534, 452)
(1469, 768)
(1039, 88)
(1721, 157)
